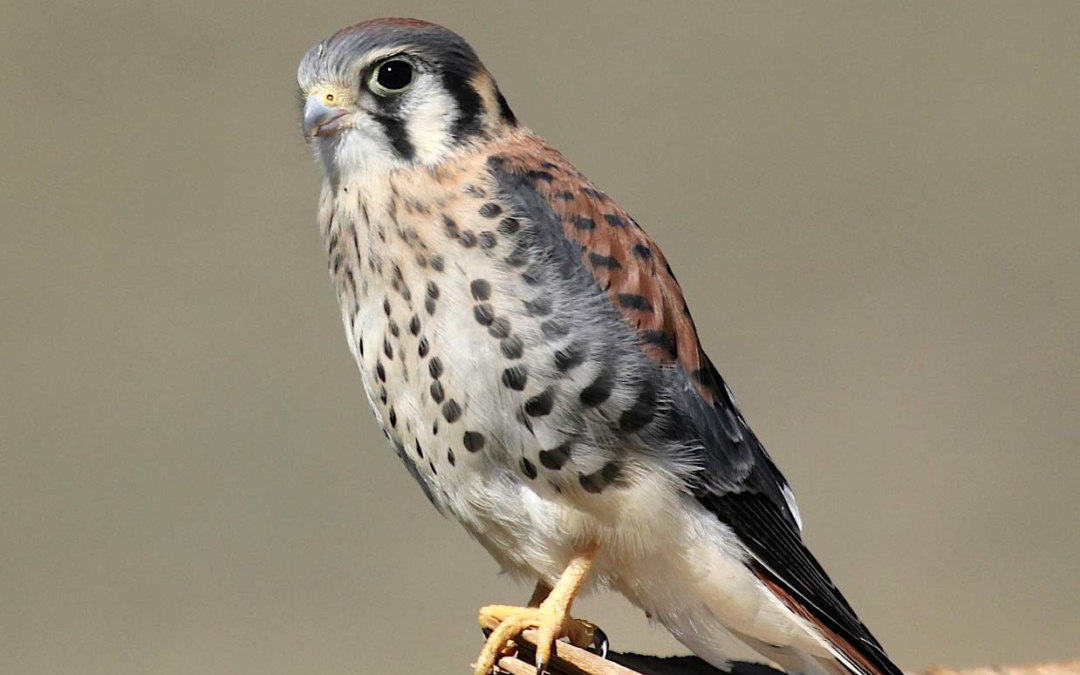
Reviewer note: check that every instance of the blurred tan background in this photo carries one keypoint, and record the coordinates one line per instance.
(873, 208)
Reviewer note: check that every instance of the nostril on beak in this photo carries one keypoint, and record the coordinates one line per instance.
(320, 119)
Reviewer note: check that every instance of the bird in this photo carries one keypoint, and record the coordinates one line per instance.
(529, 355)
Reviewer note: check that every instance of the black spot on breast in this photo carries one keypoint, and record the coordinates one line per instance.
(515, 377)
(481, 289)
(394, 330)
(414, 325)
(540, 405)
(487, 240)
(468, 239)
(512, 347)
(538, 306)
(450, 457)
(423, 347)
(569, 357)
(435, 367)
(611, 474)
(555, 458)
(554, 329)
(393, 418)
(641, 412)
(600, 389)
(380, 371)
(437, 392)
(527, 468)
(634, 301)
(419, 450)
(490, 210)
(437, 263)
(484, 314)
(509, 225)
(386, 306)
(388, 350)
(451, 411)
(499, 328)
(474, 441)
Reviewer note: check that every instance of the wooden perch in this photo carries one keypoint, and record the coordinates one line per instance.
(570, 660)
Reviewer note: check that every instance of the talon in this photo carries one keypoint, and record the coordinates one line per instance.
(600, 643)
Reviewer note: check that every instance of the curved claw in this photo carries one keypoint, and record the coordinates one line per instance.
(600, 643)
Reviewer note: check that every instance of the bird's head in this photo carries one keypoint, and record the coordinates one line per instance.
(389, 93)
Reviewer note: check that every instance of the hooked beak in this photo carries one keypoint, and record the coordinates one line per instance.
(320, 120)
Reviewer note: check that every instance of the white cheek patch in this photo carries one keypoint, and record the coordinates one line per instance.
(429, 118)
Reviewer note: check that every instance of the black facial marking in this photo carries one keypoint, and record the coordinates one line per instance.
(555, 458)
(469, 103)
(481, 289)
(527, 468)
(515, 377)
(474, 441)
(451, 411)
(490, 210)
(540, 405)
(604, 261)
(505, 112)
(634, 301)
(600, 389)
(397, 134)
(512, 347)
(642, 412)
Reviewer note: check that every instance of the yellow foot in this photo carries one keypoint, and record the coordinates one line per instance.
(552, 621)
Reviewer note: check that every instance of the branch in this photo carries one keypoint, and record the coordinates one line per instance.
(570, 660)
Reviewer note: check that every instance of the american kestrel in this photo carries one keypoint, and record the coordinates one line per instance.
(529, 355)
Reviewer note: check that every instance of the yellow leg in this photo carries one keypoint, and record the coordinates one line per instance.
(548, 612)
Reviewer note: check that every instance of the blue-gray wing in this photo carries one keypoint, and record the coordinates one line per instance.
(600, 248)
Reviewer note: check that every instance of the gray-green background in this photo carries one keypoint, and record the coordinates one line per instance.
(872, 207)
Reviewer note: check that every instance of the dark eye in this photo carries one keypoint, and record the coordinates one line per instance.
(392, 77)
